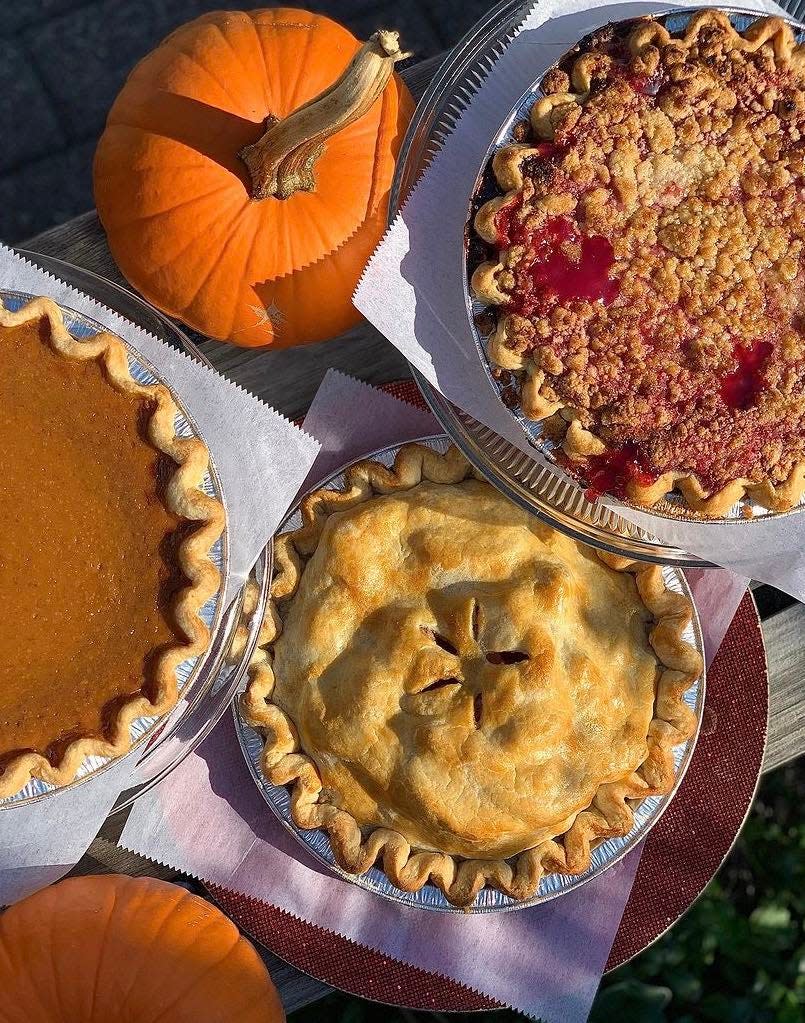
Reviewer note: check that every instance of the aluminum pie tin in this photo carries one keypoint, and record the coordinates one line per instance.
(673, 506)
(555, 499)
(194, 673)
(603, 856)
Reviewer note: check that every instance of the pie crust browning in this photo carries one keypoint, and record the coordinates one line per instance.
(694, 197)
(407, 864)
(201, 579)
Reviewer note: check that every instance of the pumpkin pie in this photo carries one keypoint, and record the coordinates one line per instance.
(453, 689)
(645, 262)
(104, 561)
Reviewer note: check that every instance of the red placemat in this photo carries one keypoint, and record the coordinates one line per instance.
(682, 852)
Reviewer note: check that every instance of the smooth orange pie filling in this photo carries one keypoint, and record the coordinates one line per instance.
(647, 259)
(85, 576)
(105, 559)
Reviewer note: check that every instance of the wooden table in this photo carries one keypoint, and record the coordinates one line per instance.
(288, 380)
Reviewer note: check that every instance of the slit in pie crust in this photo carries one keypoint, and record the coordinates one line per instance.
(104, 563)
(454, 689)
(646, 263)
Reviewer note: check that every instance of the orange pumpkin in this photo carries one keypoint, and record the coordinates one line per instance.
(110, 948)
(225, 211)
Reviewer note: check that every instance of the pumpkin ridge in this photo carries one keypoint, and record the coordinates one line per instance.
(309, 37)
(32, 990)
(236, 56)
(208, 160)
(266, 102)
(144, 218)
(214, 264)
(177, 898)
(326, 255)
(98, 966)
(252, 244)
(207, 966)
(297, 18)
(186, 29)
(54, 975)
(255, 231)
(252, 230)
(163, 923)
(206, 71)
(313, 223)
(204, 231)
(316, 262)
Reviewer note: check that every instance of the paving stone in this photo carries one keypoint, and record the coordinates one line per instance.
(452, 19)
(46, 192)
(29, 126)
(16, 14)
(97, 45)
(366, 16)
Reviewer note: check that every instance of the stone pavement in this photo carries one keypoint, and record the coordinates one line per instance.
(63, 61)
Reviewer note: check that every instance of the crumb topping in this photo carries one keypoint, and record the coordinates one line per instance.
(652, 261)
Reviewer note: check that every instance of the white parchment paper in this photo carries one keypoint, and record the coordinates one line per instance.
(261, 459)
(413, 292)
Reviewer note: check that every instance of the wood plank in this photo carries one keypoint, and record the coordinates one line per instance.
(784, 634)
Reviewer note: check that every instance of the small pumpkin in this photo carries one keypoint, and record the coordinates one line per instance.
(98, 949)
(244, 172)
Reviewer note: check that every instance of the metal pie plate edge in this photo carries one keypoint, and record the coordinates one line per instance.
(605, 855)
(195, 671)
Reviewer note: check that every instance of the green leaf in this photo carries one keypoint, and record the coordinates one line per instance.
(771, 917)
(630, 1000)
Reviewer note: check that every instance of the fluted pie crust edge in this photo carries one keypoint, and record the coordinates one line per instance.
(283, 761)
(185, 499)
(579, 442)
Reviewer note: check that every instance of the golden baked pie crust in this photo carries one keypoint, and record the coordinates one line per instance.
(184, 499)
(567, 93)
(410, 865)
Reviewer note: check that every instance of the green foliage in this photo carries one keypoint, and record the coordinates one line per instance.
(738, 956)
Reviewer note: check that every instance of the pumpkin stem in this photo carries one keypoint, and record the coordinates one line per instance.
(281, 162)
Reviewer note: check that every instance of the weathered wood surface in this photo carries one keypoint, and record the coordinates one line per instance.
(288, 380)
(784, 635)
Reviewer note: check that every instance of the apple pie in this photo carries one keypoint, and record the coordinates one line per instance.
(453, 689)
